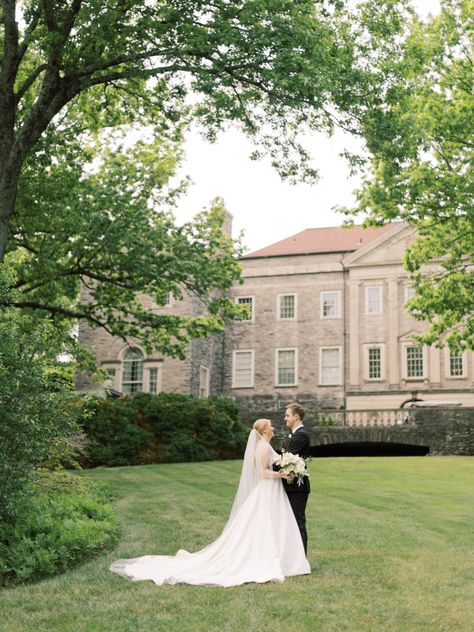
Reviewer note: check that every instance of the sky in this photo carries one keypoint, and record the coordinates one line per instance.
(264, 207)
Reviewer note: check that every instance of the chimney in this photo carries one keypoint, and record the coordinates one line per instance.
(227, 225)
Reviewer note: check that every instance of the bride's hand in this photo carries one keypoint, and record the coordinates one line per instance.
(286, 476)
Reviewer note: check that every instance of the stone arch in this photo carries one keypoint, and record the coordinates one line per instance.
(369, 448)
(367, 441)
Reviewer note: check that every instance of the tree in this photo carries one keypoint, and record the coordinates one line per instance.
(71, 70)
(421, 146)
(100, 228)
(234, 53)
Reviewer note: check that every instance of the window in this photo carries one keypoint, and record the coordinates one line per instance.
(375, 362)
(286, 367)
(373, 299)
(242, 373)
(132, 377)
(456, 364)
(287, 306)
(414, 362)
(246, 300)
(330, 304)
(153, 380)
(203, 381)
(330, 365)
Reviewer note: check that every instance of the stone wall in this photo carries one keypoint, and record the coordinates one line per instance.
(265, 280)
(449, 431)
(445, 431)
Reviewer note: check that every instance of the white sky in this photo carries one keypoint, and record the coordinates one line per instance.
(265, 208)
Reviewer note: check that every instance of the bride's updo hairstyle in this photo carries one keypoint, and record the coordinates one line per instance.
(261, 425)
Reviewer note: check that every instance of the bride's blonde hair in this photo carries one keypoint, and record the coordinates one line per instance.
(261, 424)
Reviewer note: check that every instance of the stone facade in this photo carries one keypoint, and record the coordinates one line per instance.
(372, 360)
(328, 328)
(199, 374)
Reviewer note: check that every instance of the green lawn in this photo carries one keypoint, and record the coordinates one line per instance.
(390, 546)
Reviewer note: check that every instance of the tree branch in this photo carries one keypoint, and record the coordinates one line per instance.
(61, 311)
(117, 61)
(28, 33)
(29, 82)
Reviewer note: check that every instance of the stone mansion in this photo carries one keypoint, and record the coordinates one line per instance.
(327, 327)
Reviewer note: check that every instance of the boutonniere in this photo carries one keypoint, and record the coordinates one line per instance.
(290, 435)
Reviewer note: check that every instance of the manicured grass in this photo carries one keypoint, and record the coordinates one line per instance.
(390, 545)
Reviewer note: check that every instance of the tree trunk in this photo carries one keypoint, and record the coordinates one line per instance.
(7, 205)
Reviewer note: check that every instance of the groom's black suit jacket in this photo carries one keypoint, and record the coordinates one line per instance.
(299, 443)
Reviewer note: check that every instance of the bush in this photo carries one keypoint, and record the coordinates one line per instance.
(69, 520)
(164, 428)
(34, 409)
(66, 452)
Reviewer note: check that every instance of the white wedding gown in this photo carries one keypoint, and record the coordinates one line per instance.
(261, 541)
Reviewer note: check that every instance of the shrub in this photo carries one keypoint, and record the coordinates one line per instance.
(164, 428)
(66, 452)
(34, 411)
(69, 520)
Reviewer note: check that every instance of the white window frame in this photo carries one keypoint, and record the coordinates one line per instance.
(339, 378)
(147, 377)
(204, 384)
(367, 347)
(147, 366)
(252, 310)
(338, 304)
(277, 366)
(122, 376)
(405, 346)
(380, 292)
(447, 365)
(235, 353)
(295, 306)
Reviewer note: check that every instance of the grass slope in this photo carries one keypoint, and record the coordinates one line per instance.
(390, 545)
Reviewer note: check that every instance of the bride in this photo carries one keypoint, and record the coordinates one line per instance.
(261, 541)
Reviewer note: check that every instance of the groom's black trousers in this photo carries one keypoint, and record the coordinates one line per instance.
(298, 504)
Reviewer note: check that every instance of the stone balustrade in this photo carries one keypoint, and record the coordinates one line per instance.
(362, 418)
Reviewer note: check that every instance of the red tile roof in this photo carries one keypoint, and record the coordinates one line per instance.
(320, 240)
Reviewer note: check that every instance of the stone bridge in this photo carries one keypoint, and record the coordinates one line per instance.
(416, 431)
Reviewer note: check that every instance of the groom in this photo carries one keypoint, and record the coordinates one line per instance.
(298, 443)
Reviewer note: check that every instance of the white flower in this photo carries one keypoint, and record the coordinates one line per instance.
(292, 465)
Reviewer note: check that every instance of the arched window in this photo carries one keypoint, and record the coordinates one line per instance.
(132, 374)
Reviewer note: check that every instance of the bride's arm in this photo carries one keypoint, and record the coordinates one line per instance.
(263, 459)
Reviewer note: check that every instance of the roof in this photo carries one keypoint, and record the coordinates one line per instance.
(320, 240)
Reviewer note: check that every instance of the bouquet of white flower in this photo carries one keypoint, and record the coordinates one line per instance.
(292, 465)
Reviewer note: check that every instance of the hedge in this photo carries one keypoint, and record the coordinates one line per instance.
(163, 428)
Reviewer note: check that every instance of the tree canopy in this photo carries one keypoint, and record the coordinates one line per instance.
(420, 141)
(99, 228)
(76, 200)
(269, 66)
(79, 202)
